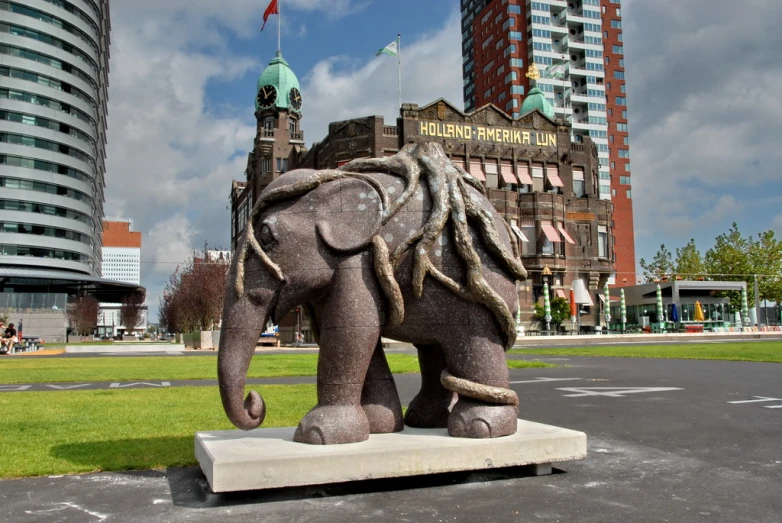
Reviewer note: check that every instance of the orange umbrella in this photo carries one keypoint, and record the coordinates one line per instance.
(573, 305)
(698, 312)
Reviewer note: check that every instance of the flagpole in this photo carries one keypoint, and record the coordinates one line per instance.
(279, 26)
(399, 65)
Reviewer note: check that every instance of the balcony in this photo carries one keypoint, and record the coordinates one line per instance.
(297, 135)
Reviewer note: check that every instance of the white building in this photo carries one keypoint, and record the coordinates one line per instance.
(121, 262)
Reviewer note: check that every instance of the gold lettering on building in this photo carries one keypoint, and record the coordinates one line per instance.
(487, 134)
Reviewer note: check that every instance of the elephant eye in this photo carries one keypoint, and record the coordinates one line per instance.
(266, 238)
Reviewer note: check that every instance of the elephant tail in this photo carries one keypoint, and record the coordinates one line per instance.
(478, 391)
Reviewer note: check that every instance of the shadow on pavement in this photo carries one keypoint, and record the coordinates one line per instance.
(189, 487)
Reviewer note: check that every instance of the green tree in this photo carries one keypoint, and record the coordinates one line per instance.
(689, 262)
(560, 311)
(729, 259)
(661, 265)
(765, 259)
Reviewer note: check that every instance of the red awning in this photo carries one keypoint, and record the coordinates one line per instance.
(565, 235)
(523, 172)
(477, 170)
(561, 294)
(550, 232)
(506, 171)
(555, 180)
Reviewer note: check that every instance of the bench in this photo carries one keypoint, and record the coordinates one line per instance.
(272, 341)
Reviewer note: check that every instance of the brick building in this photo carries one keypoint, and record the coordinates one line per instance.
(545, 185)
(578, 46)
(540, 182)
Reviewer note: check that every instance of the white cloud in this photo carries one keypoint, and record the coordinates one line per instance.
(338, 88)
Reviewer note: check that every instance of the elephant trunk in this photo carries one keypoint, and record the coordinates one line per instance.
(238, 339)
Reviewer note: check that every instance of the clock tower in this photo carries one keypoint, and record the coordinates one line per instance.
(278, 139)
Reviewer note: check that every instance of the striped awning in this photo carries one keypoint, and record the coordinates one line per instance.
(523, 173)
(476, 169)
(550, 232)
(565, 234)
(506, 171)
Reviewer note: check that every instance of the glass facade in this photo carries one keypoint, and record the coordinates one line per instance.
(53, 96)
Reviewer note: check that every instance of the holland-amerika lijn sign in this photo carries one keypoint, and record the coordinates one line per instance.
(481, 133)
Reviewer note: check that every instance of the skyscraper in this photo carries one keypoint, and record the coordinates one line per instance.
(578, 46)
(54, 62)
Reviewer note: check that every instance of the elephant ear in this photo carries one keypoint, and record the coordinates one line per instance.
(352, 229)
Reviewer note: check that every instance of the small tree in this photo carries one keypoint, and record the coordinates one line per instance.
(661, 265)
(83, 314)
(132, 310)
(689, 261)
(560, 311)
(193, 297)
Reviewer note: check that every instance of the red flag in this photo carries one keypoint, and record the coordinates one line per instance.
(271, 10)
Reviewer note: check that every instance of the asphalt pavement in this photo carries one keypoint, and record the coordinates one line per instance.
(668, 440)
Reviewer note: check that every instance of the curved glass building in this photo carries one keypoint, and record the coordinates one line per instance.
(54, 64)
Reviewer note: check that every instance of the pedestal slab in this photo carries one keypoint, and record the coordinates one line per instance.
(269, 458)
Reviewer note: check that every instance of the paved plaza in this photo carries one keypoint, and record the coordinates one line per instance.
(668, 440)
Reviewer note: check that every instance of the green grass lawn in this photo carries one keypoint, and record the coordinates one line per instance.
(69, 432)
(765, 351)
(130, 368)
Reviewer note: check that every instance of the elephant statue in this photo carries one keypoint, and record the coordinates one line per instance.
(406, 247)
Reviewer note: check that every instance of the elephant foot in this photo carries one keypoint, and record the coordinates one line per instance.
(475, 419)
(383, 419)
(428, 413)
(332, 425)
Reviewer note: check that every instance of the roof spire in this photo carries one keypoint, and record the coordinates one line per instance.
(532, 73)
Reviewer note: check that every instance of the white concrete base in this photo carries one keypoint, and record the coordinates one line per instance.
(269, 458)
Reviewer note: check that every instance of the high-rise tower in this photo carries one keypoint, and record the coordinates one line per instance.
(54, 62)
(577, 44)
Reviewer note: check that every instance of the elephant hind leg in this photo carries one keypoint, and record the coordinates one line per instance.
(493, 411)
(430, 408)
(379, 397)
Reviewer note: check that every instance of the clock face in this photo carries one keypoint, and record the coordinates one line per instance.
(294, 97)
(267, 96)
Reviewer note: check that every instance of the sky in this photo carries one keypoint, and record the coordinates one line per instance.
(702, 78)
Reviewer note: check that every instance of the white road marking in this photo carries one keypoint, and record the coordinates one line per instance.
(612, 392)
(543, 380)
(10, 388)
(67, 387)
(143, 383)
(757, 400)
(772, 406)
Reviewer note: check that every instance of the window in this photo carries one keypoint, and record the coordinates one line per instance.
(511, 77)
(530, 247)
(626, 140)
(510, 22)
(619, 37)
(516, 62)
(621, 100)
(616, 24)
(624, 180)
(618, 49)
(579, 187)
(619, 75)
(509, 50)
(514, 9)
(621, 127)
(629, 194)
(499, 44)
(602, 241)
(624, 153)
(514, 35)
(516, 89)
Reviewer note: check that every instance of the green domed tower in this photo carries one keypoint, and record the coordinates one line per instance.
(278, 87)
(535, 98)
(278, 143)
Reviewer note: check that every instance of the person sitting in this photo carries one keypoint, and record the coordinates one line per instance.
(9, 337)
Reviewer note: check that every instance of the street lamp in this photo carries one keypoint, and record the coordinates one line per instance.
(546, 298)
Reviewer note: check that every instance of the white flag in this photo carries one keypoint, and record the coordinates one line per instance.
(391, 49)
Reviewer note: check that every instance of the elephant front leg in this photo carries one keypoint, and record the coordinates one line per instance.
(380, 399)
(344, 357)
